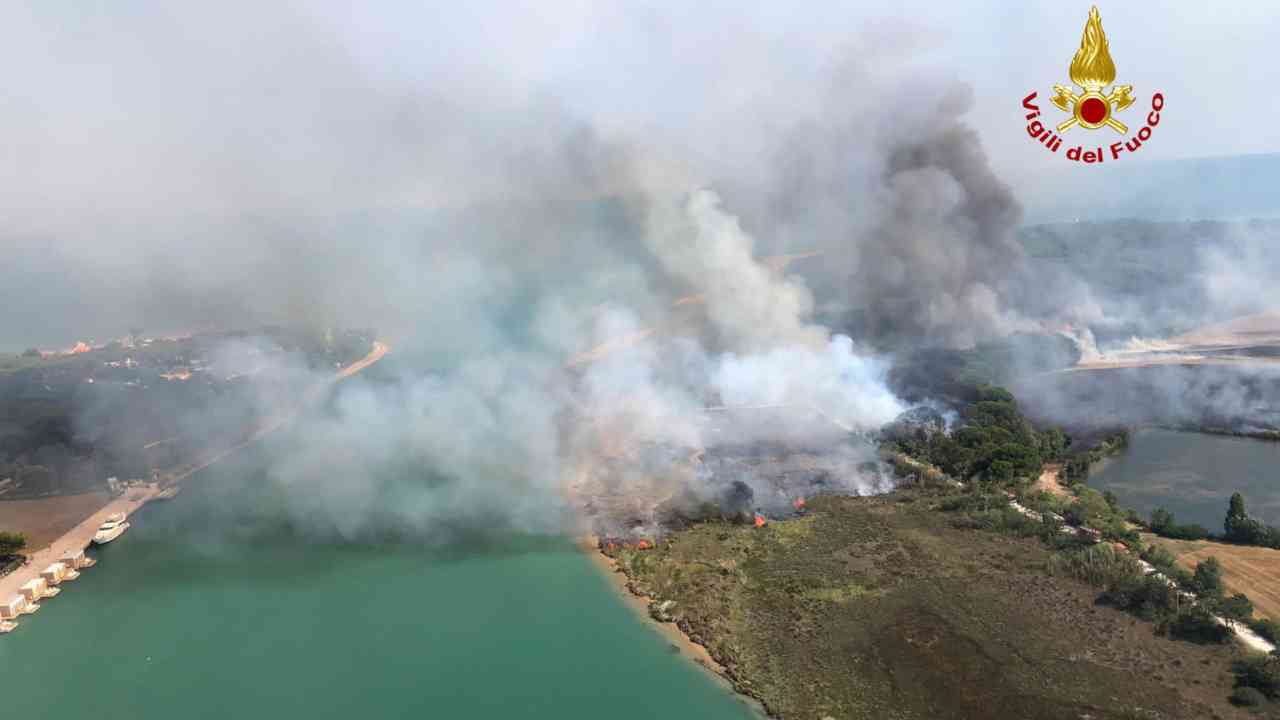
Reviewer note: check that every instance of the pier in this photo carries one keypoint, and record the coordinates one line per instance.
(61, 560)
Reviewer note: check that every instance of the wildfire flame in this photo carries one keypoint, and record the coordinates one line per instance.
(1092, 68)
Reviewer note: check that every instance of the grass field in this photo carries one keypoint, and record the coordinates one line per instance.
(880, 608)
(1254, 571)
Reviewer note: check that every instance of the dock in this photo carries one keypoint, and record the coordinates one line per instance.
(22, 590)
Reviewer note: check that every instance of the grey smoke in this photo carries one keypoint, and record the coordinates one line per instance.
(495, 216)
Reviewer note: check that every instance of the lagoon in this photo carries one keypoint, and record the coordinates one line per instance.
(205, 609)
(1193, 475)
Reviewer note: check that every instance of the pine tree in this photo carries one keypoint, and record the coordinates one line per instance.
(1237, 521)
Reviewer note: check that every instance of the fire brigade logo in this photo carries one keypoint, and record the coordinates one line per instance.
(1093, 72)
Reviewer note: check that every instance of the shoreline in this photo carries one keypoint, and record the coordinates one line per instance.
(691, 652)
(698, 654)
(77, 538)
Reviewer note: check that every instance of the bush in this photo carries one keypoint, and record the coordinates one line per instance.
(1247, 697)
(1207, 580)
(1237, 608)
(1195, 624)
(1266, 628)
(1262, 674)
(1164, 524)
(1160, 557)
(1098, 565)
(1147, 597)
(1004, 520)
(11, 543)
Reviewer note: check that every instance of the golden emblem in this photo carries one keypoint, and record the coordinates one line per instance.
(1093, 70)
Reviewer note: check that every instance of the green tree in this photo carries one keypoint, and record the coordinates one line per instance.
(1161, 519)
(1207, 581)
(1237, 608)
(11, 543)
(1237, 521)
(1111, 499)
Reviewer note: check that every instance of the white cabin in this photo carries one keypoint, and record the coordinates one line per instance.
(12, 607)
(35, 589)
(77, 560)
(55, 573)
(73, 559)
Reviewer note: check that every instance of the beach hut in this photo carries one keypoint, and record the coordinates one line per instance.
(12, 607)
(77, 560)
(35, 589)
(54, 574)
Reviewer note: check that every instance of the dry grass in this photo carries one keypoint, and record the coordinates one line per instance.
(883, 608)
(46, 519)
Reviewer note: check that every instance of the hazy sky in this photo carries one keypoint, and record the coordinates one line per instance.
(140, 139)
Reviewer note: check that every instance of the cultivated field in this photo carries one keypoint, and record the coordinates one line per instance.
(1253, 571)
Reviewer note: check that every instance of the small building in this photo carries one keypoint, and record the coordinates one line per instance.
(55, 573)
(76, 560)
(35, 589)
(13, 607)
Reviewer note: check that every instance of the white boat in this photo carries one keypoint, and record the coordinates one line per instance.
(113, 528)
(7, 626)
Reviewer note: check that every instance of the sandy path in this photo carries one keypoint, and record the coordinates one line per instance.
(1048, 481)
(77, 538)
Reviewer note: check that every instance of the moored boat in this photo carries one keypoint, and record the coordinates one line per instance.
(112, 528)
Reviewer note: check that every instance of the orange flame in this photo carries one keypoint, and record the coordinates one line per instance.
(798, 504)
(760, 521)
(1092, 68)
(643, 545)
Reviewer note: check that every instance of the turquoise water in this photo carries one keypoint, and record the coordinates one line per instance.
(206, 609)
(1193, 475)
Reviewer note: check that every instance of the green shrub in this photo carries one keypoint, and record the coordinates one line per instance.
(1266, 628)
(1260, 673)
(1247, 697)
(1195, 624)
(1207, 580)
(1164, 524)
(1147, 597)
(1098, 565)
(1161, 558)
(11, 543)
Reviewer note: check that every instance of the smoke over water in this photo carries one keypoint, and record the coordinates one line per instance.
(578, 297)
